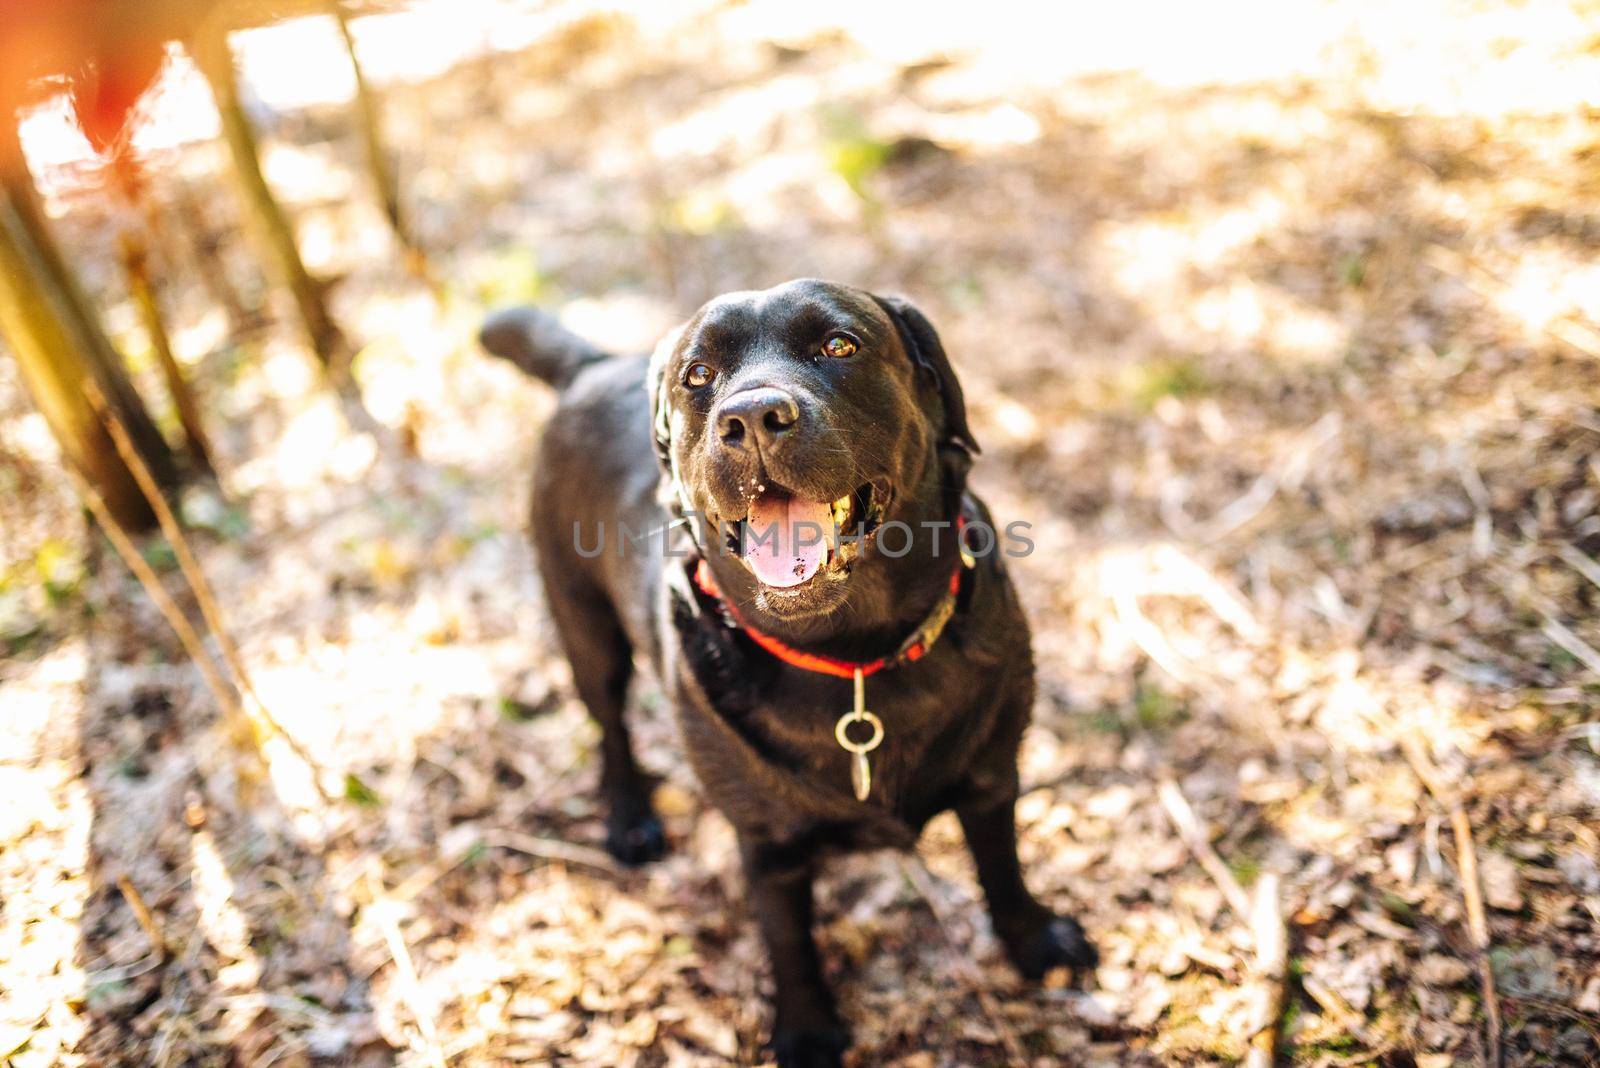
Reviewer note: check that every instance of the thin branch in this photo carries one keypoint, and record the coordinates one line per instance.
(1287, 473)
(1576, 559)
(1336, 1008)
(1148, 637)
(198, 583)
(1190, 576)
(1482, 520)
(1272, 970)
(551, 849)
(272, 228)
(1264, 914)
(1471, 888)
(220, 689)
(385, 913)
(146, 918)
(1198, 840)
(1562, 635)
(136, 267)
(1569, 327)
(380, 167)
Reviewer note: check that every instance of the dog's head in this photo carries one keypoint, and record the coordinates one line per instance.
(787, 416)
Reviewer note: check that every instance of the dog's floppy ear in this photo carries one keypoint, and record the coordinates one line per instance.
(660, 408)
(922, 344)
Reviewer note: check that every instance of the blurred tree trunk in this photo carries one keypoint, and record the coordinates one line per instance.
(379, 164)
(267, 219)
(36, 318)
(60, 343)
(83, 323)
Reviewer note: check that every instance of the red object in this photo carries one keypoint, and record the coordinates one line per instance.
(824, 665)
(106, 52)
(107, 89)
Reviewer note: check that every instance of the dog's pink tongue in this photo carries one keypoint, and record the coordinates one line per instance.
(785, 539)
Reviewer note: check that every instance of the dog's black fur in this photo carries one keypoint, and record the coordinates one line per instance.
(759, 732)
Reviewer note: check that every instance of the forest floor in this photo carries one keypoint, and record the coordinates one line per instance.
(1290, 354)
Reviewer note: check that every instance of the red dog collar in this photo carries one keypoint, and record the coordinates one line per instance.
(914, 648)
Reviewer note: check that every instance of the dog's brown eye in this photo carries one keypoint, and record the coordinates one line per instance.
(839, 346)
(698, 375)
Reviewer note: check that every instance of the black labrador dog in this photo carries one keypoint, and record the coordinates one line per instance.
(773, 508)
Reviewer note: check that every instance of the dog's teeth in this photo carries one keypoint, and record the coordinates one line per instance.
(841, 511)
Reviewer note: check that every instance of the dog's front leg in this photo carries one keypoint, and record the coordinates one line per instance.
(806, 1030)
(1035, 938)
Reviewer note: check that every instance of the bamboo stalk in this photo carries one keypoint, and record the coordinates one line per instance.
(136, 267)
(38, 267)
(270, 225)
(380, 166)
(54, 370)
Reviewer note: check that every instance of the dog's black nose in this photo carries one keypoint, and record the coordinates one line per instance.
(755, 416)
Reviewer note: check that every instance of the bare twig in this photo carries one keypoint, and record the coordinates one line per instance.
(177, 1022)
(146, 918)
(1478, 924)
(1187, 575)
(1272, 970)
(214, 57)
(1471, 887)
(1287, 473)
(551, 849)
(917, 874)
(1562, 635)
(1334, 1006)
(1264, 915)
(1482, 521)
(1576, 559)
(220, 689)
(1148, 637)
(379, 165)
(1169, 571)
(198, 583)
(1198, 841)
(1586, 1020)
(136, 268)
(1590, 732)
(385, 913)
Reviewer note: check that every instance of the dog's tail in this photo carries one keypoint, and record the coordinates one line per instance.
(536, 342)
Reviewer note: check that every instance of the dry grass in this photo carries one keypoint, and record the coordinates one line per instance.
(1292, 372)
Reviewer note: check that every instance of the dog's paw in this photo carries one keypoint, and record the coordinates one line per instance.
(815, 1048)
(635, 839)
(1057, 942)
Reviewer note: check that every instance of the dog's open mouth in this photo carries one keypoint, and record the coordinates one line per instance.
(787, 540)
